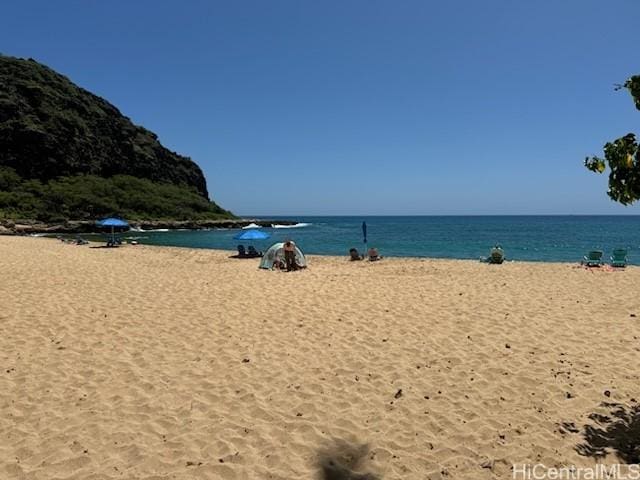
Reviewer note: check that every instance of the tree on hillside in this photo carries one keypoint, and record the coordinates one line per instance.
(623, 158)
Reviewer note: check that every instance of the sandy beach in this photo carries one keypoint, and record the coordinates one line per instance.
(165, 363)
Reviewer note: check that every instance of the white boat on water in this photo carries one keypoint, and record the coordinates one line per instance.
(251, 225)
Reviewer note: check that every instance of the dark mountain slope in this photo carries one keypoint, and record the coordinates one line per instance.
(51, 129)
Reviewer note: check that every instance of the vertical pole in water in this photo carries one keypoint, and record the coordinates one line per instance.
(364, 234)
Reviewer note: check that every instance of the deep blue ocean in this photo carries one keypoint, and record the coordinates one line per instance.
(529, 238)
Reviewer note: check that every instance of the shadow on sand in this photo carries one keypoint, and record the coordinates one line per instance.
(344, 461)
(618, 432)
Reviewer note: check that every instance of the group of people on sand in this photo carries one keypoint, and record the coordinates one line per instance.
(372, 255)
(73, 241)
(290, 264)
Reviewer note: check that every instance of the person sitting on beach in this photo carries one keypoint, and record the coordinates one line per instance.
(373, 254)
(355, 255)
(278, 264)
(496, 255)
(290, 255)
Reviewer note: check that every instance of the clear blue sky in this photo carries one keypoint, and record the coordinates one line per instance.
(360, 107)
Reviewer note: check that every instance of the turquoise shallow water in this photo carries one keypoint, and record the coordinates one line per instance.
(530, 238)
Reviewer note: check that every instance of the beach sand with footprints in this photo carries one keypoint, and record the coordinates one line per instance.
(166, 363)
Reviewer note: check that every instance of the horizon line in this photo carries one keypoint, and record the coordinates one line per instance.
(447, 215)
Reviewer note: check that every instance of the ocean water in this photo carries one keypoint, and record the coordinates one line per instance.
(525, 238)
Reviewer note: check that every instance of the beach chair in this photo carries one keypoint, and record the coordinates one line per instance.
(113, 242)
(496, 256)
(354, 255)
(592, 259)
(373, 255)
(619, 258)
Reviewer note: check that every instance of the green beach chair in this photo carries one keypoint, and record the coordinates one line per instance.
(619, 258)
(592, 259)
(496, 255)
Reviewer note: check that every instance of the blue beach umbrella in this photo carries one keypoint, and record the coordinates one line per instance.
(113, 223)
(252, 235)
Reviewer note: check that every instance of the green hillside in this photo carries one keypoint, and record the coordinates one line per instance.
(68, 154)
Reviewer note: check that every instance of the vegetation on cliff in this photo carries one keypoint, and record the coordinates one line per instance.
(86, 197)
(68, 154)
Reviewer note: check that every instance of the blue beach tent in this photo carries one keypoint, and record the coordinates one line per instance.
(275, 253)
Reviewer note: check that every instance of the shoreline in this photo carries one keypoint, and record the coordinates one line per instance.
(29, 227)
(345, 257)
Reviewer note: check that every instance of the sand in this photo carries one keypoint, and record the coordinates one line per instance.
(164, 363)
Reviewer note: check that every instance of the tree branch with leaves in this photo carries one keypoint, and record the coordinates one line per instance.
(622, 156)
